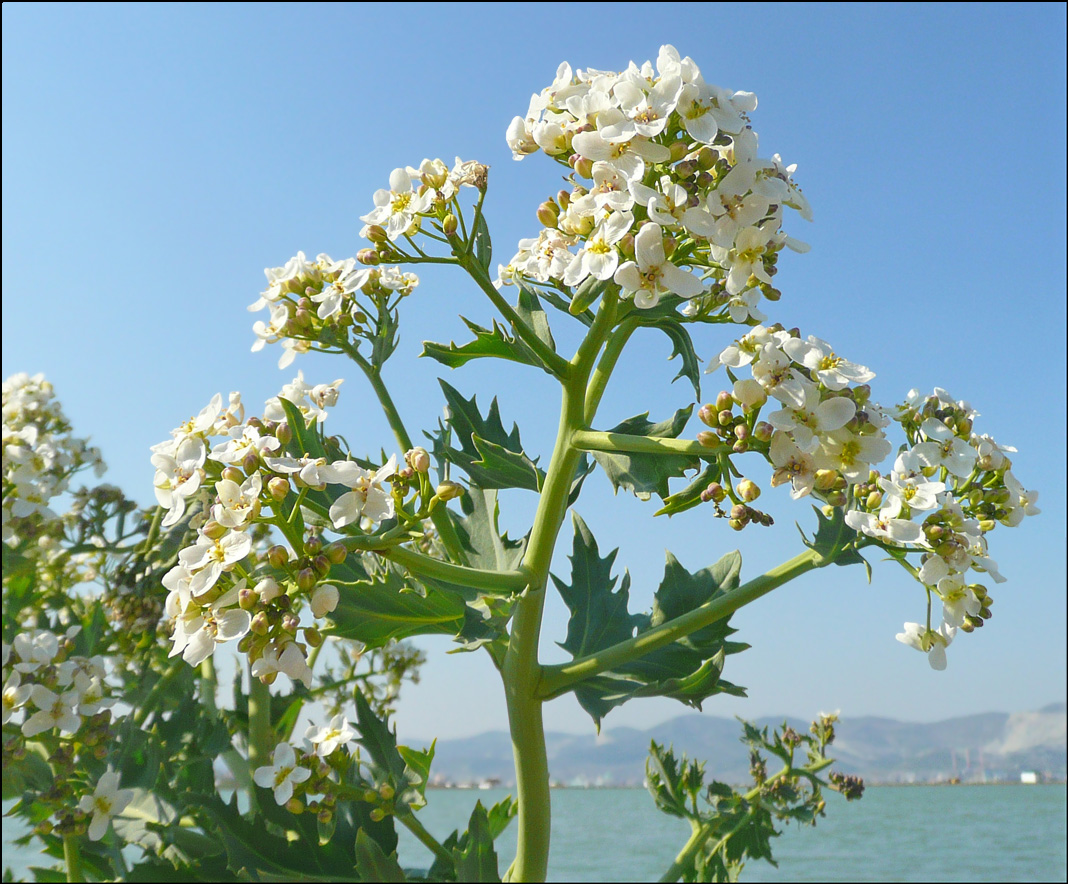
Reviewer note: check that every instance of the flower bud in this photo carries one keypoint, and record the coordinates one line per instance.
(548, 214)
(213, 530)
(336, 552)
(626, 246)
(725, 418)
(717, 491)
(248, 598)
(873, 500)
(584, 167)
(321, 564)
(377, 814)
(449, 225)
(418, 459)
(325, 599)
(724, 401)
(736, 524)
(251, 462)
(686, 169)
(313, 546)
(741, 446)
(306, 580)
(278, 488)
(386, 791)
(368, 257)
(233, 474)
(377, 234)
(708, 415)
(295, 806)
(824, 480)
(260, 624)
(290, 624)
(986, 525)
(741, 431)
(763, 431)
(312, 636)
(748, 490)
(708, 439)
(836, 498)
(449, 490)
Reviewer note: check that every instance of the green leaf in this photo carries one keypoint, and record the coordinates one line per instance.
(483, 243)
(599, 616)
(835, 538)
(528, 308)
(491, 456)
(475, 857)
(304, 437)
(376, 611)
(690, 496)
(682, 346)
(688, 670)
(587, 294)
(418, 763)
(31, 772)
(480, 534)
(644, 474)
(495, 343)
(407, 770)
(372, 864)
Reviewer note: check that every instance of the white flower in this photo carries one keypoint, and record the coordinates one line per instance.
(944, 449)
(198, 630)
(324, 599)
(106, 801)
(813, 417)
(958, 600)
(237, 504)
(397, 208)
(932, 642)
(57, 710)
(289, 661)
(368, 499)
(16, 695)
(599, 257)
(282, 775)
(746, 259)
(791, 465)
(896, 531)
(652, 275)
(326, 739)
(834, 372)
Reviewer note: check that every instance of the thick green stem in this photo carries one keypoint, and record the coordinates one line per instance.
(520, 670)
(504, 582)
(557, 679)
(72, 857)
(613, 347)
(260, 736)
(594, 440)
(701, 834)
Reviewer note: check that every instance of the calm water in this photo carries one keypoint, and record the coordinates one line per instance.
(909, 833)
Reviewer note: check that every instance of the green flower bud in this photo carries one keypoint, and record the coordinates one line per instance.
(418, 459)
(548, 214)
(278, 556)
(213, 530)
(306, 580)
(724, 401)
(278, 488)
(233, 474)
(251, 462)
(837, 498)
(741, 446)
(726, 418)
(449, 490)
(763, 431)
(313, 637)
(873, 500)
(686, 169)
(386, 791)
(321, 564)
(583, 167)
(626, 246)
(336, 552)
(709, 440)
(741, 431)
(450, 225)
(708, 415)
(706, 158)
(377, 814)
(248, 599)
(260, 624)
(313, 546)
(295, 806)
(736, 524)
(748, 490)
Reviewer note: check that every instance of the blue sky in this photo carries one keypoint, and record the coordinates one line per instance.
(156, 158)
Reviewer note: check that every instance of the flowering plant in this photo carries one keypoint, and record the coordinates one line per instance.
(273, 538)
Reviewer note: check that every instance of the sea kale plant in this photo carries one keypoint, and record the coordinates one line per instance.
(274, 539)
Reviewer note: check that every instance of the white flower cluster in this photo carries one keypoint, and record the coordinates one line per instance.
(213, 596)
(948, 488)
(671, 180)
(417, 193)
(39, 453)
(306, 296)
(286, 772)
(827, 433)
(41, 673)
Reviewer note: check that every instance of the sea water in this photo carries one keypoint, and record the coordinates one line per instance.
(894, 833)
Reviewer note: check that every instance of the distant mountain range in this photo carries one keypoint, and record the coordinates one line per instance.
(990, 746)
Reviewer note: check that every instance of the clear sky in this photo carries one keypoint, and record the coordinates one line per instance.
(157, 157)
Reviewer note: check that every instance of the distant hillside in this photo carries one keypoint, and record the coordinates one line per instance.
(992, 745)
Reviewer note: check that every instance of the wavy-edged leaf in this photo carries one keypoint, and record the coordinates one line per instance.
(373, 864)
(682, 346)
(483, 243)
(488, 343)
(690, 496)
(378, 610)
(646, 474)
(490, 455)
(835, 537)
